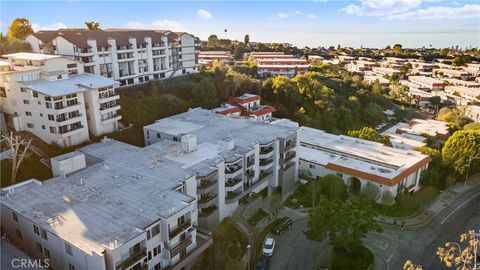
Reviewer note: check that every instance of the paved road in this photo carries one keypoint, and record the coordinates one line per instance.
(420, 244)
(393, 246)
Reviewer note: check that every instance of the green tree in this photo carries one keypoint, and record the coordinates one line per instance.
(12, 45)
(458, 149)
(458, 61)
(20, 28)
(212, 41)
(246, 39)
(368, 133)
(344, 222)
(205, 93)
(93, 25)
(333, 187)
(397, 48)
(472, 126)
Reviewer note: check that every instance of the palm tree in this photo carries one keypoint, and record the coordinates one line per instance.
(93, 25)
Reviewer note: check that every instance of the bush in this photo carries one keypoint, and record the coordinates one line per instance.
(359, 258)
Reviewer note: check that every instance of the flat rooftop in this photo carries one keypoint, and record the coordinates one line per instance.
(31, 56)
(72, 84)
(361, 158)
(211, 127)
(419, 126)
(123, 190)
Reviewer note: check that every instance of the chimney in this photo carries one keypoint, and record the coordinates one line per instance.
(226, 144)
(189, 143)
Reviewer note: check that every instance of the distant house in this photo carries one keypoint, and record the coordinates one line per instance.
(247, 106)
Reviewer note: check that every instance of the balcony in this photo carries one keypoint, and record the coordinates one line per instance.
(182, 245)
(232, 197)
(289, 156)
(231, 170)
(266, 150)
(250, 163)
(64, 119)
(232, 183)
(206, 201)
(264, 175)
(206, 186)
(290, 145)
(288, 165)
(266, 163)
(179, 229)
(68, 132)
(208, 211)
(111, 107)
(110, 117)
(130, 261)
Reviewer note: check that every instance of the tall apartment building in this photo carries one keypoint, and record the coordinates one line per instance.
(232, 157)
(128, 56)
(51, 97)
(111, 206)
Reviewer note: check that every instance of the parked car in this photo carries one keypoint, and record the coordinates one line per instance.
(268, 247)
(281, 225)
(262, 263)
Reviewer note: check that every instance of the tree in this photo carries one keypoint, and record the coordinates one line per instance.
(205, 93)
(275, 204)
(372, 114)
(368, 133)
(92, 25)
(397, 48)
(370, 192)
(387, 198)
(344, 222)
(333, 187)
(20, 28)
(246, 39)
(13, 45)
(19, 148)
(459, 148)
(458, 61)
(212, 41)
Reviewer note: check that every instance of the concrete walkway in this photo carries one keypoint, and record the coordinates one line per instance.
(445, 198)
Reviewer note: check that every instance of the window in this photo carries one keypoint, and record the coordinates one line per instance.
(48, 99)
(30, 125)
(68, 249)
(71, 267)
(51, 117)
(53, 130)
(28, 113)
(35, 94)
(43, 127)
(311, 166)
(155, 230)
(149, 255)
(44, 234)
(71, 65)
(159, 136)
(39, 102)
(23, 89)
(3, 93)
(26, 101)
(41, 114)
(35, 229)
(48, 105)
(15, 217)
(157, 250)
(39, 247)
(46, 251)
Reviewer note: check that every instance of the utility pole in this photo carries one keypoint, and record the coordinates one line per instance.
(468, 167)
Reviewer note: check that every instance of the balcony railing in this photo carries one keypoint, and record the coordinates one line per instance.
(208, 211)
(232, 169)
(264, 162)
(206, 199)
(63, 119)
(288, 165)
(250, 162)
(178, 248)
(264, 175)
(70, 130)
(232, 183)
(109, 95)
(290, 145)
(232, 195)
(266, 150)
(142, 253)
(179, 229)
(289, 156)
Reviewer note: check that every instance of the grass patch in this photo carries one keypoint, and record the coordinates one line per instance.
(259, 215)
(31, 167)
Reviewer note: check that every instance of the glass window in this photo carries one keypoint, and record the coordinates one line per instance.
(35, 229)
(68, 249)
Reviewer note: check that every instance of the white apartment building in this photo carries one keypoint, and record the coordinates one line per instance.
(385, 71)
(468, 93)
(109, 206)
(473, 112)
(359, 162)
(51, 97)
(128, 56)
(232, 157)
(427, 83)
(451, 73)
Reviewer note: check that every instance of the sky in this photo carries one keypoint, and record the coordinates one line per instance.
(367, 23)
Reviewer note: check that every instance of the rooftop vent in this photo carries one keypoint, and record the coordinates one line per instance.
(226, 144)
(189, 143)
(68, 163)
